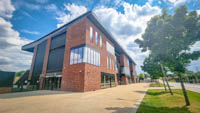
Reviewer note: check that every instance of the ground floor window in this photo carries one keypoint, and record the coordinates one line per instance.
(107, 80)
(52, 83)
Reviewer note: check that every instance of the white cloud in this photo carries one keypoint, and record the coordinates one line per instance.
(11, 56)
(30, 32)
(51, 7)
(128, 26)
(75, 11)
(177, 2)
(125, 27)
(6, 8)
(198, 12)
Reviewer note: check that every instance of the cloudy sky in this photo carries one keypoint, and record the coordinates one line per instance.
(22, 21)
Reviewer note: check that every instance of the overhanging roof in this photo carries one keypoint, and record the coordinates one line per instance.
(92, 17)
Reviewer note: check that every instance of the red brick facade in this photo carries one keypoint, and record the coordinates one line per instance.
(5, 90)
(124, 80)
(84, 76)
(133, 73)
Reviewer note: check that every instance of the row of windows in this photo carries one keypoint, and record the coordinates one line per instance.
(110, 63)
(96, 37)
(127, 61)
(85, 54)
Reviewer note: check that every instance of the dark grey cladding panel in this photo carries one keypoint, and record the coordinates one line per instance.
(56, 59)
(39, 60)
(6, 79)
(58, 41)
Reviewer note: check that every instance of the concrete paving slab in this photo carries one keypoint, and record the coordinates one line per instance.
(121, 99)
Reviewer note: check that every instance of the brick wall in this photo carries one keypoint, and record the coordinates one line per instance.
(73, 75)
(124, 80)
(84, 77)
(5, 90)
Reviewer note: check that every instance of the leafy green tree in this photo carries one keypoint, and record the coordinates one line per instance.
(153, 69)
(19, 73)
(170, 37)
(141, 75)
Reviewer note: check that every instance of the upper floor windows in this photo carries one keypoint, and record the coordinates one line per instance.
(127, 62)
(91, 34)
(85, 54)
(96, 35)
(110, 48)
(101, 45)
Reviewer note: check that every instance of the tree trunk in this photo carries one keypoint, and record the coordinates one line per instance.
(166, 80)
(184, 91)
(164, 84)
(168, 85)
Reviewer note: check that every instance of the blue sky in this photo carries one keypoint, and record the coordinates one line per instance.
(23, 21)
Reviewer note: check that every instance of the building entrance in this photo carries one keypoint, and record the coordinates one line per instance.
(107, 80)
(52, 81)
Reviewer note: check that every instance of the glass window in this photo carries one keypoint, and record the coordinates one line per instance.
(91, 34)
(85, 54)
(110, 48)
(101, 41)
(80, 55)
(108, 62)
(75, 56)
(127, 62)
(96, 35)
(89, 56)
(72, 57)
(92, 56)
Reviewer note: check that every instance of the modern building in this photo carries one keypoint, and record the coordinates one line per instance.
(79, 56)
(6, 81)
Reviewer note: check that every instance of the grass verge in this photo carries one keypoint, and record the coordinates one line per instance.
(159, 101)
(156, 85)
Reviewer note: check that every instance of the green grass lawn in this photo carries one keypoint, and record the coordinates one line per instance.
(156, 85)
(159, 101)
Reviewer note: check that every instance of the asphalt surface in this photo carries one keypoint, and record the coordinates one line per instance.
(191, 87)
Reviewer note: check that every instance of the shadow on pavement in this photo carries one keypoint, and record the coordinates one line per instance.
(32, 93)
(143, 92)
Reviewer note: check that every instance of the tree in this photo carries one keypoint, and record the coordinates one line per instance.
(141, 75)
(19, 73)
(169, 39)
(153, 69)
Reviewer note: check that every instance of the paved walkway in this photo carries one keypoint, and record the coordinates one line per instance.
(121, 99)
